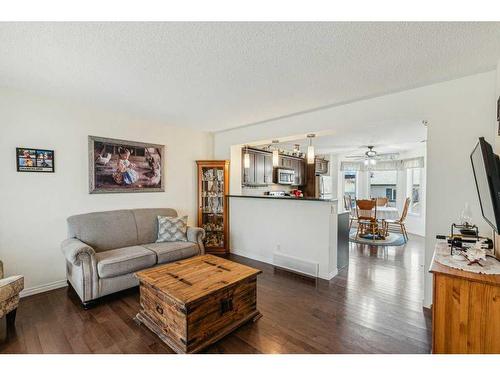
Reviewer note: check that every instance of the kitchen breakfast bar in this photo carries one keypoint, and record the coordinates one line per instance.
(309, 236)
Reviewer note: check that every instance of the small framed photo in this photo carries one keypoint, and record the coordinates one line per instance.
(34, 160)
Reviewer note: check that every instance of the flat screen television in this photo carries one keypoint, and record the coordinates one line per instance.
(486, 168)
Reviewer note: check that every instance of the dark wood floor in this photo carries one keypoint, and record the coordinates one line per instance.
(374, 306)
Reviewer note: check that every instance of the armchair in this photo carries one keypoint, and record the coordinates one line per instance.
(9, 299)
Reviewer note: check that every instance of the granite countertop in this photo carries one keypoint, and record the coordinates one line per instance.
(282, 198)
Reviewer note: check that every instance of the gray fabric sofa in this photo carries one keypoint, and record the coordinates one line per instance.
(106, 248)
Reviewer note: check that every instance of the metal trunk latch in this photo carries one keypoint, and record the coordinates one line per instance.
(226, 305)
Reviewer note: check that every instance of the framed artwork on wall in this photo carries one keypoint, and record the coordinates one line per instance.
(119, 166)
(34, 160)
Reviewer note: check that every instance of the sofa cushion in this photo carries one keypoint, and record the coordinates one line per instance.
(172, 229)
(171, 251)
(104, 230)
(146, 220)
(125, 260)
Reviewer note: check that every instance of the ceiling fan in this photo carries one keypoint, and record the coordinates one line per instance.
(371, 156)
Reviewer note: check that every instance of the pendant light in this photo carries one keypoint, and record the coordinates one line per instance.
(310, 149)
(373, 161)
(276, 153)
(246, 158)
(366, 162)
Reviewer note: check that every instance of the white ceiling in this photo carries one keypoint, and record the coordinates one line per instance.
(387, 137)
(215, 76)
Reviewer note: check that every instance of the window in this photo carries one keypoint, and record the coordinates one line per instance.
(350, 185)
(383, 185)
(414, 189)
(390, 194)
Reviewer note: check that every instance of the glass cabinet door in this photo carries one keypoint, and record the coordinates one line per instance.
(212, 206)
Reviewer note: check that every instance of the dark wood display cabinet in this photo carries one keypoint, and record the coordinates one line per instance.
(213, 214)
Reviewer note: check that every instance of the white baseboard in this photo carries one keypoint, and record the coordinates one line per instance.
(254, 256)
(330, 275)
(269, 260)
(43, 288)
(417, 234)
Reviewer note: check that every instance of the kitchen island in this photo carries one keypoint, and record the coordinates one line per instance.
(298, 234)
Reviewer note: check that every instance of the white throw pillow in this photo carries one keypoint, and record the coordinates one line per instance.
(172, 229)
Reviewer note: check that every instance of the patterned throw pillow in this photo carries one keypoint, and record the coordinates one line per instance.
(171, 229)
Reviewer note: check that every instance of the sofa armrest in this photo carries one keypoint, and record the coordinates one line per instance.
(75, 250)
(81, 269)
(196, 235)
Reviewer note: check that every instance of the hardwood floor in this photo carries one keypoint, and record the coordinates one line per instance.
(373, 306)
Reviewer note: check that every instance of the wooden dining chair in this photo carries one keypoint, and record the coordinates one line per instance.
(382, 201)
(348, 207)
(347, 197)
(398, 225)
(367, 223)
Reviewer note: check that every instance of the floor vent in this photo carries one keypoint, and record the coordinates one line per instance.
(296, 264)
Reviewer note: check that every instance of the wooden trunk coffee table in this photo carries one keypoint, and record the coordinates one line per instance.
(194, 302)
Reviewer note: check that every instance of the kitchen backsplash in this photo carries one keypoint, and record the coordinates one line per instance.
(260, 190)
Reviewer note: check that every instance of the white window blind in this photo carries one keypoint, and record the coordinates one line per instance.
(413, 163)
(383, 165)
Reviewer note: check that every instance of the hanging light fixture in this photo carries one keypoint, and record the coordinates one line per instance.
(310, 149)
(373, 161)
(246, 158)
(366, 162)
(276, 153)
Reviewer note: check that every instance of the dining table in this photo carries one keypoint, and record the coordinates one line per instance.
(383, 213)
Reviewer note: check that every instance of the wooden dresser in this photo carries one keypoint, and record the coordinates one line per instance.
(465, 311)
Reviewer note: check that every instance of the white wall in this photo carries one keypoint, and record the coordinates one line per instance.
(414, 223)
(363, 185)
(34, 206)
(261, 227)
(334, 166)
(458, 112)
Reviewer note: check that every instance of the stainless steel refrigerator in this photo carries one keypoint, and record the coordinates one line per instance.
(324, 187)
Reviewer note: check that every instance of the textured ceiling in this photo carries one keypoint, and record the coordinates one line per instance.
(215, 76)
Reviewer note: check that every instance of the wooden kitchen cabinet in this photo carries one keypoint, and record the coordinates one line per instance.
(260, 172)
(321, 166)
(285, 162)
(300, 172)
(268, 169)
(295, 166)
(260, 169)
(249, 173)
